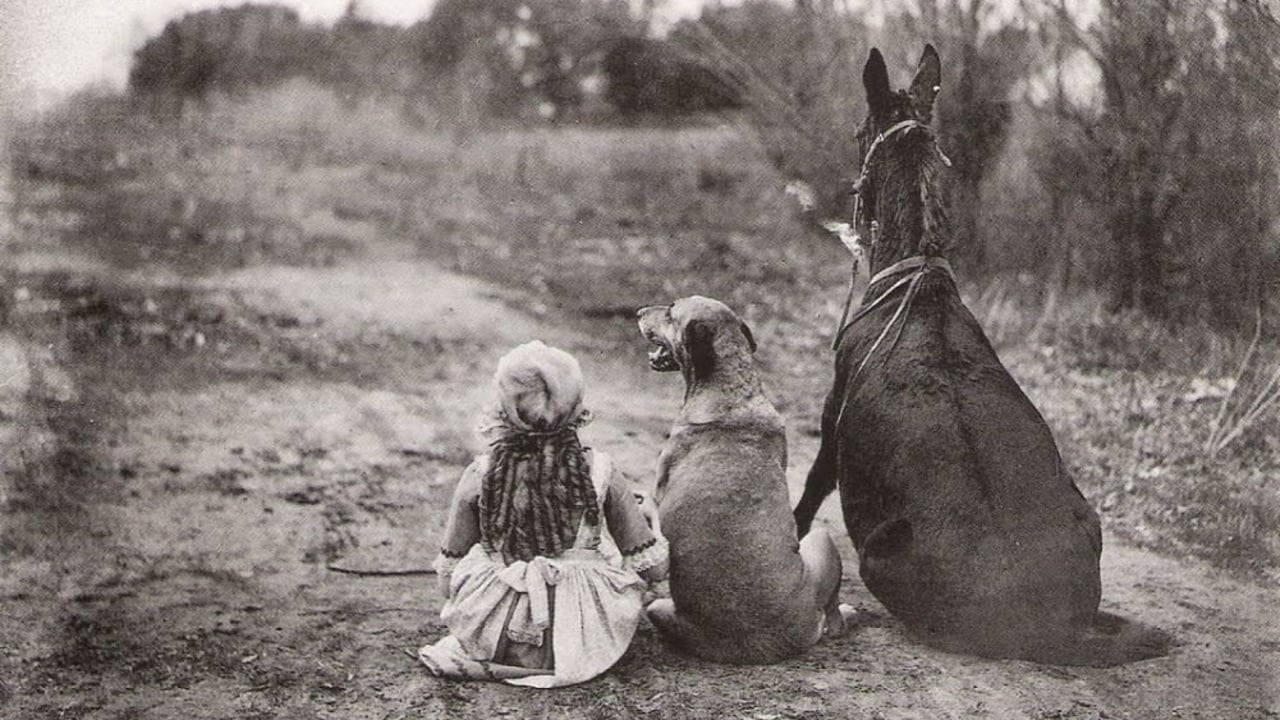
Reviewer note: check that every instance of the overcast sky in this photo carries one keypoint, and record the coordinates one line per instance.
(56, 46)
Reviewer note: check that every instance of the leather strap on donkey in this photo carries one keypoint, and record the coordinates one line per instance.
(917, 267)
(910, 262)
(894, 129)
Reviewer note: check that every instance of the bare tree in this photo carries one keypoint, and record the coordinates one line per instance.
(1184, 137)
(794, 70)
(985, 55)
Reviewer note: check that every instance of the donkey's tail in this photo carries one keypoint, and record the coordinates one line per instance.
(1108, 641)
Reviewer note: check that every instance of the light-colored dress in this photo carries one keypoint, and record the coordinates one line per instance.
(585, 603)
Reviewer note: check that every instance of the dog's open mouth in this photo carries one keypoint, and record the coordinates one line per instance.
(662, 359)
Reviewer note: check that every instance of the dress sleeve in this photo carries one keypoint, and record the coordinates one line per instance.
(463, 528)
(641, 543)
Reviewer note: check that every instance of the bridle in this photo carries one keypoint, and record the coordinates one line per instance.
(916, 267)
(858, 185)
(863, 176)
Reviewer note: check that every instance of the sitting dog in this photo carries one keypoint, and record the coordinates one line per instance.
(743, 590)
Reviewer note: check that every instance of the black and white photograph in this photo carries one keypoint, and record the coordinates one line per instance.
(640, 359)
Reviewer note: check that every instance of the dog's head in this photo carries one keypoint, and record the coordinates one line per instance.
(693, 334)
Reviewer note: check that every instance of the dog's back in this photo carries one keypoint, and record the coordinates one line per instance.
(743, 590)
(733, 542)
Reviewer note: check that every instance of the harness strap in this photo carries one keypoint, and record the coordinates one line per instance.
(897, 267)
(911, 263)
(922, 263)
(919, 266)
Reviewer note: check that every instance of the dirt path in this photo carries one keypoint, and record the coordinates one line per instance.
(171, 499)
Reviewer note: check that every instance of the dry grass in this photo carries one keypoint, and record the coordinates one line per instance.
(1240, 409)
(595, 222)
(1133, 404)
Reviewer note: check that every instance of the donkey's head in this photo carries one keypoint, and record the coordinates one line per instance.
(900, 162)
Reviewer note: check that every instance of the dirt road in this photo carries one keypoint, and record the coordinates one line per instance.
(182, 460)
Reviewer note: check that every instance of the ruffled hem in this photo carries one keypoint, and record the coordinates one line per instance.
(647, 556)
(597, 607)
(444, 565)
(447, 659)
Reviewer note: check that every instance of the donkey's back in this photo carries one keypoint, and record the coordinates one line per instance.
(967, 526)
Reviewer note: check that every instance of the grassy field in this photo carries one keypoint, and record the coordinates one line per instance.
(596, 222)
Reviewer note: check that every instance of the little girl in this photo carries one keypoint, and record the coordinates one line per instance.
(546, 551)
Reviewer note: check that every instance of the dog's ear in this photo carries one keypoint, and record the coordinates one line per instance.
(698, 340)
(746, 330)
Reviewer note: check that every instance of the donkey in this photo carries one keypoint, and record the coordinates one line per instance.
(967, 525)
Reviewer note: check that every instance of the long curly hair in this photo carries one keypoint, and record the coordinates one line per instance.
(535, 494)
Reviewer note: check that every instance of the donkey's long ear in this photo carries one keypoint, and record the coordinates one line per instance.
(926, 84)
(875, 80)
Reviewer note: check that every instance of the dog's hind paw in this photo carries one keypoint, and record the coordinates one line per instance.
(838, 624)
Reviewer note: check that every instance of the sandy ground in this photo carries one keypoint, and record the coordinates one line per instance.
(172, 496)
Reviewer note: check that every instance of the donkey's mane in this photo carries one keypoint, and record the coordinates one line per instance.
(909, 204)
